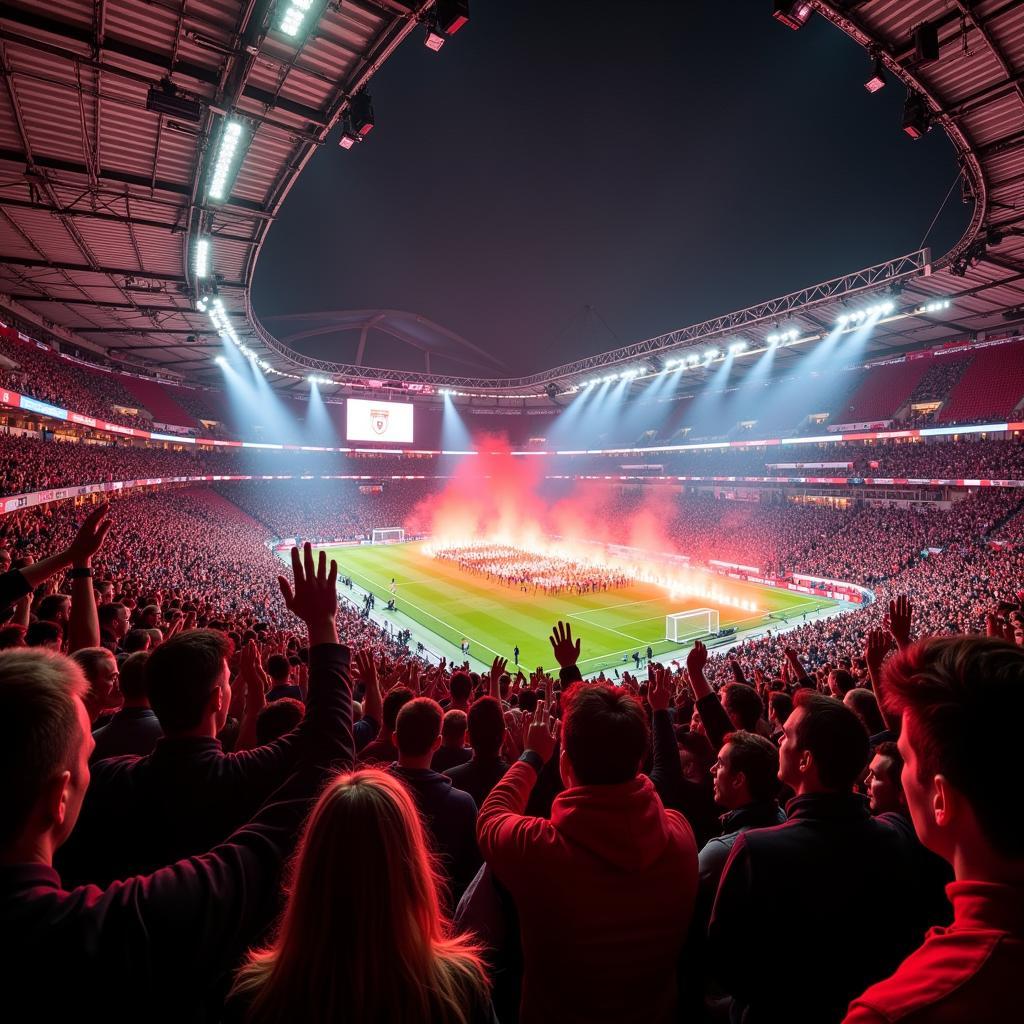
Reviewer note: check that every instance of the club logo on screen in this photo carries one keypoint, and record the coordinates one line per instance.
(379, 420)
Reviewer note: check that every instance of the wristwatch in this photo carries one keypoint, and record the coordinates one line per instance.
(80, 573)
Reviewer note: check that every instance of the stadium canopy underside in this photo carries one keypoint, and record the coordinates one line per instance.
(102, 200)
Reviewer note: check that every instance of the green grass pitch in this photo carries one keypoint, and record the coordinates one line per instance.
(453, 604)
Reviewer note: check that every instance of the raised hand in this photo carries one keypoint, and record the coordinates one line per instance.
(366, 668)
(697, 659)
(901, 613)
(314, 596)
(542, 733)
(567, 653)
(877, 645)
(659, 687)
(497, 670)
(89, 537)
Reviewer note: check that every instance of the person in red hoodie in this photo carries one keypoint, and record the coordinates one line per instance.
(605, 889)
(962, 701)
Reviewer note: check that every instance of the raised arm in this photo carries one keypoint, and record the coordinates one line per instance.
(709, 706)
(666, 771)
(877, 645)
(84, 622)
(567, 653)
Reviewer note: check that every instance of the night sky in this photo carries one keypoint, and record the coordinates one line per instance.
(660, 168)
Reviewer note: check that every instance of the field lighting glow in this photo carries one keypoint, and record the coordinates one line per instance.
(227, 154)
(201, 265)
(858, 315)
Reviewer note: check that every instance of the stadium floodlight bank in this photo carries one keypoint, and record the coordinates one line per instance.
(692, 625)
(392, 535)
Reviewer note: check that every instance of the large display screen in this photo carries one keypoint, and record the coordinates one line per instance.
(379, 421)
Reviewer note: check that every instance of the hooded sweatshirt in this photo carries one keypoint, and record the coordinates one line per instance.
(605, 891)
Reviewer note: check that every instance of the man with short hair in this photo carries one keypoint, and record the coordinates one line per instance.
(486, 727)
(605, 888)
(44, 634)
(55, 608)
(460, 687)
(827, 876)
(137, 640)
(279, 670)
(114, 623)
(885, 788)
(149, 947)
(102, 674)
(746, 778)
(961, 699)
(453, 749)
(383, 750)
(189, 794)
(134, 729)
(448, 814)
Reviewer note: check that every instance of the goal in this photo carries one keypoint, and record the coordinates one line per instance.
(392, 535)
(682, 626)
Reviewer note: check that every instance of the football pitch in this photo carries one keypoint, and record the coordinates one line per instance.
(449, 603)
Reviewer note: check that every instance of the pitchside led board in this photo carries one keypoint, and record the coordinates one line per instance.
(379, 421)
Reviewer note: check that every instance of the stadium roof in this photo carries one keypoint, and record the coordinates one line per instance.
(102, 200)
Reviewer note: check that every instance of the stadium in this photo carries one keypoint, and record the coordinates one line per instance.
(716, 361)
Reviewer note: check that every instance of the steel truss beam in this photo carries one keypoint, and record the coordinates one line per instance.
(764, 313)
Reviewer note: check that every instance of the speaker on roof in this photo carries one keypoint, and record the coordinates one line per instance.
(926, 41)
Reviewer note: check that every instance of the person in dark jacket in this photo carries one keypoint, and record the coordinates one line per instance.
(448, 814)
(815, 886)
(453, 749)
(486, 725)
(144, 947)
(143, 812)
(382, 750)
(746, 781)
(134, 729)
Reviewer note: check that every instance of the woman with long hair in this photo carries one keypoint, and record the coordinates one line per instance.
(362, 937)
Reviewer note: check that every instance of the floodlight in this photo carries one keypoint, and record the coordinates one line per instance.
(792, 14)
(293, 15)
(712, 353)
(916, 116)
(220, 360)
(201, 263)
(227, 154)
(876, 80)
(737, 346)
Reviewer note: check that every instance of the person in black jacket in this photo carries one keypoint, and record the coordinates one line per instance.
(477, 777)
(143, 948)
(188, 795)
(815, 888)
(448, 814)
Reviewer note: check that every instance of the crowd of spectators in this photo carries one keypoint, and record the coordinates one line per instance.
(43, 374)
(440, 845)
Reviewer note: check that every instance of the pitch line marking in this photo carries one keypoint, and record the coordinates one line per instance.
(448, 625)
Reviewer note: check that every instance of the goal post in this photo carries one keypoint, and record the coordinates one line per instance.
(391, 535)
(691, 625)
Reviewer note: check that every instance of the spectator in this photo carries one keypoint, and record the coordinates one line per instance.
(962, 699)
(188, 795)
(102, 674)
(486, 726)
(841, 871)
(383, 750)
(114, 622)
(363, 936)
(746, 784)
(278, 719)
(134, 729)
(449, 815)
(279, 669)
(610, 875)
(453, 749)
(171, 933)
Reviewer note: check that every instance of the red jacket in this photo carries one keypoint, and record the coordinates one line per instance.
(970, 971)
(605, 892)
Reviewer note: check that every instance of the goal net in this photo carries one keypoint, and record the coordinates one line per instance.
(683, 626)
(392, 535)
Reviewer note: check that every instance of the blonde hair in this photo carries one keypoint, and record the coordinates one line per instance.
(363, 936)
